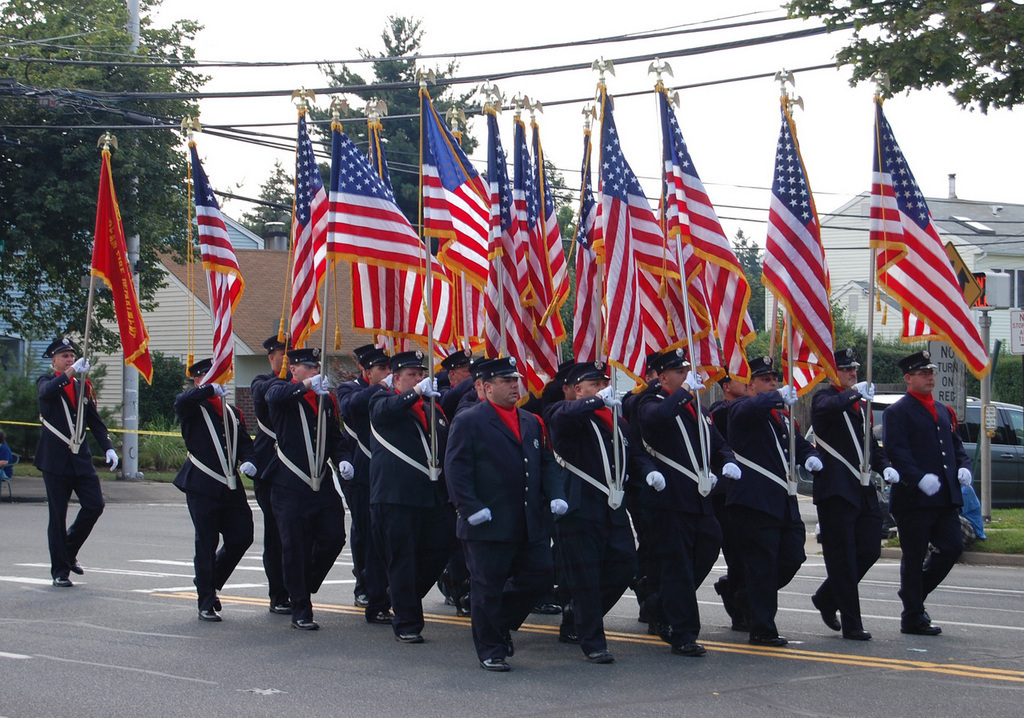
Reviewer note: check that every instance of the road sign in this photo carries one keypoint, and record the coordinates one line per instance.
(1017, 331)
(950, 378)
(968, 284)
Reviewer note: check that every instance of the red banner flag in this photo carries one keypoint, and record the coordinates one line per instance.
(110, 263)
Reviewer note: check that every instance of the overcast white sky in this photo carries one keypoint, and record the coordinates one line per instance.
(731, 129)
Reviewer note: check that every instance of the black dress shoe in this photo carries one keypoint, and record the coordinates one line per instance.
(771, 641)
(921, 629)
(216, 605)
(690, 650)
(304, 625)
(379, 617)
(77, 567)
(409, 637)
(547, 609)
(62, 582)
(567, 634)
(281, 609)
(210, 616)
(827, 617)
(740, 625)
(362, 601)
(602, 656)
(510, 649)
(462, 606)
(496, 665)
(857, 635)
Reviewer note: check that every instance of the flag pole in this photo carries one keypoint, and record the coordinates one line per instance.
(792, 424)
(492, 105)
(704, 477)
(428, 290)
(881, 85)
(602, 66)
(78, 436)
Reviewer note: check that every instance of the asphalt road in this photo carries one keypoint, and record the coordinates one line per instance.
(125, 641)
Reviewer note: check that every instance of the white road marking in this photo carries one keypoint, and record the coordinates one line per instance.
(26, 579)
(131, 669)
(16, 656)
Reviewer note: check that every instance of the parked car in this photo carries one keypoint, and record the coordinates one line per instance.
(1007, 447)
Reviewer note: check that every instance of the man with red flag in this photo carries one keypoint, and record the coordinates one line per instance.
(64, 457)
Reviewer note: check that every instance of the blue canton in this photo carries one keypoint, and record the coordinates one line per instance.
(790, 183)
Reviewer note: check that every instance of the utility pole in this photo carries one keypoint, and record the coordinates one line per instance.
(130, 381)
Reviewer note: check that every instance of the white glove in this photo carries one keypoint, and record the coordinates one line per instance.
(656, 481)
(866, 390)
(929, 484)
(607, 395)
(219, 390)
(964, 477)
(559, 507)
(891, 475)
(112, 459)
(788, 394)
(481, 516)
(248, 468)
(427, 387)
(320, 384)
(813, 463)
(388, 381)
(692, 382)
(714, 480)
(346, 470)
(81, 366)
(731, 471)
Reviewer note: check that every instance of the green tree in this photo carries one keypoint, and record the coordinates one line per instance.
(49, 175)
(276, 194)
(402, 38)
(750, 258)
(972, 47)
(156, 400)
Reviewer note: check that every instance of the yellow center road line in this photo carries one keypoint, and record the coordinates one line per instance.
(793, 654)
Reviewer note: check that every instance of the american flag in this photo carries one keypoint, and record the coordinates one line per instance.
(794, 264)
(456, 208)
(912, 265)
(589, 302)
(543, 216)
(309, 240)
(626, 220)
(692, 217)
(367, 229)
(225, 280)
(507, 281)
(542, 331)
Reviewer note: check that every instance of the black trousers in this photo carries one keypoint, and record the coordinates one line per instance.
(733, 582)
(600, 562)
(506, 579)
(272, 560)
(367, 553)
(212, 519)
(64, 542)
(312, 527)
(922, 570)
(416, 542)
(851, 541)
(688, 546)
(773, 551)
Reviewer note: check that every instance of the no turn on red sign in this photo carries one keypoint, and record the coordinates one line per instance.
(1017, 331)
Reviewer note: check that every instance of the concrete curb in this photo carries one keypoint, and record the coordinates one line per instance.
(973, 558)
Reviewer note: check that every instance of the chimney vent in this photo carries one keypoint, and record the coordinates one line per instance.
(952, 186)
(274, 236)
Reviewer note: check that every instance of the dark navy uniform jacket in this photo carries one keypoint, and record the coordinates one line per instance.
(189, 406)
(288, 404)
(265, 439)
(486, 466)
(392, 480)
(917, 444)
(830, 410)
(755, 434)
(451, 396)
(53, 455)
(577, 436)
(468, 401)
(354, 404)
(657, 414)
